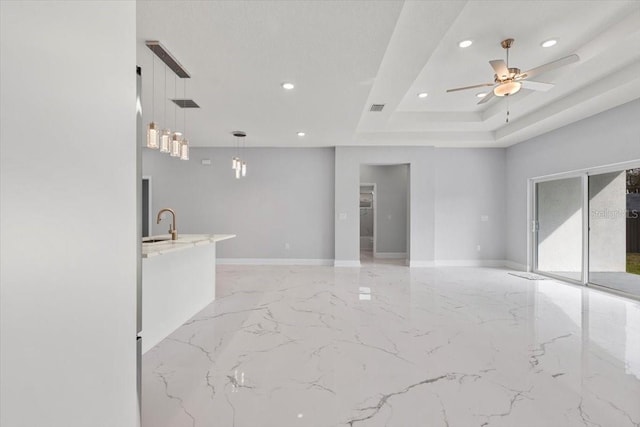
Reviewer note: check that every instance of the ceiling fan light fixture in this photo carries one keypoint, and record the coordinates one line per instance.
(507, 88)
(549, 43)
(465, 43)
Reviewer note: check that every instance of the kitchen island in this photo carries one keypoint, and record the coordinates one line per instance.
(178, 280)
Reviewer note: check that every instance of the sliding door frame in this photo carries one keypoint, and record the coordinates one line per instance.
(534, 225)
(532, 217)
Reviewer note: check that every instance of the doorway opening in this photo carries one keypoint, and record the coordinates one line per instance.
(367, 220)
(384, 214)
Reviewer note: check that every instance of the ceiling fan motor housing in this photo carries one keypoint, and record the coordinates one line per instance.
(514, 74)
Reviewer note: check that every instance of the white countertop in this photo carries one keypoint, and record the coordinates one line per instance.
(184, 241)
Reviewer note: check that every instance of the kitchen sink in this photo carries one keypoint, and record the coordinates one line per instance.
(163, 239)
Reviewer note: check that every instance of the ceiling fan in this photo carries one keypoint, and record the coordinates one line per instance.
(508, 81)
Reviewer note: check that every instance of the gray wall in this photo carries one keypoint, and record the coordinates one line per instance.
(606, 138)
(68, 214)
(392, 187)
(470, 208)
(286, 198)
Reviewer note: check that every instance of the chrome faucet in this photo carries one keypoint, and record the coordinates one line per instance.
(172, 227)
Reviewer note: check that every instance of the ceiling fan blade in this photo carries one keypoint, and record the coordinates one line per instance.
(469, 87)
(500, 67)
(551, 66)
(487, 98)
(543, 87)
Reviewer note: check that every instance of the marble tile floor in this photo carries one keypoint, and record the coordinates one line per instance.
(619, 281)
(385, 345)
(366, 257)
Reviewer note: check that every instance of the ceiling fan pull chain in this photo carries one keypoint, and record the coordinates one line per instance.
(507, 120)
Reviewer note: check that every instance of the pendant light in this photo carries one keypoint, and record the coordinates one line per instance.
(238, 165)
(244, 164)
(176, 138)
(165, 135)
(184, 147)
(153, 133)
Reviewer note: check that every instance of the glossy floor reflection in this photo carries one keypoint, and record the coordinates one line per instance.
(385, 345)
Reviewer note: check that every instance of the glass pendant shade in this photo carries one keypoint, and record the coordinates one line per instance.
(234, 163)
(165, 141)
(184, 150)
(176, 142)
(244, 168)
(237, 173)
(153, 136)
(507, 88)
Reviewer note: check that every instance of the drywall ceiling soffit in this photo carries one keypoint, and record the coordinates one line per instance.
(345, 56)
(606, 36)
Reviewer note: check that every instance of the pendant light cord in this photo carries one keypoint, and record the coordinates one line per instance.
(153, 87)
(507, 119)
(175, 108)
(164, 95)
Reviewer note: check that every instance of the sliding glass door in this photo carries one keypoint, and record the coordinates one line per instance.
(559, 228)
(614, 230)
(586, 228)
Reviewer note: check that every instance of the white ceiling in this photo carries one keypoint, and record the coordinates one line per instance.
(344, 56)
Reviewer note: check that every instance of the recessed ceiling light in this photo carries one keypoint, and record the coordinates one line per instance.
(549, 43)
(301, 134)
(423, 95)
(465, 43)
(481, 95)
(287, 86)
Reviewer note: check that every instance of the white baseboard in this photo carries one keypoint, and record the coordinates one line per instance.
(470, 263)
(356, 263)
(346, 263)
(390, 255)
(273, 261)
(515, 266)
(419, 264)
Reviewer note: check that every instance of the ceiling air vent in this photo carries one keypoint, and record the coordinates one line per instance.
(185, 103)
(376, 107)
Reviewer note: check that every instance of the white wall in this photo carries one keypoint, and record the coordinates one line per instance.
(610, 137)
(67, 214)
(469, 205)
(286, 198)
(392, 189)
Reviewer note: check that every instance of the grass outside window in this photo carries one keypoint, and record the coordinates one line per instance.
(633, 263)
